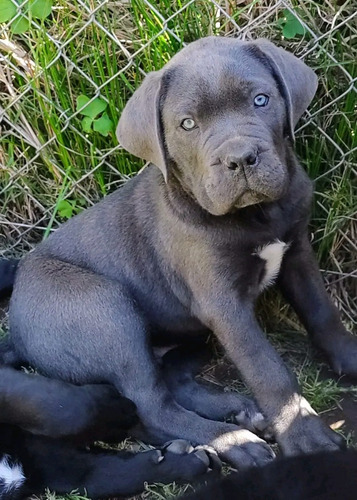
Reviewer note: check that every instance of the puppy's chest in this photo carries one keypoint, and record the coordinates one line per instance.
(268, 259)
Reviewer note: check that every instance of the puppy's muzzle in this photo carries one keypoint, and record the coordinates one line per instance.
(237, 155)
(247, 157)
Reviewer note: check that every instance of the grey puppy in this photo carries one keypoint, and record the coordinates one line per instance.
(186, 248)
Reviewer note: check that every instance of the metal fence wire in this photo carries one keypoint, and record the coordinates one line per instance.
(33, 174)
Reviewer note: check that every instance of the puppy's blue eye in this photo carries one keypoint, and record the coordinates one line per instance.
(188, 124)
(261, 100)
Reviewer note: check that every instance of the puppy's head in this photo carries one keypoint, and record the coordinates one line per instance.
(218, 117)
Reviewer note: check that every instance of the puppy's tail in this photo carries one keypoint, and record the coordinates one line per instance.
(7, 275)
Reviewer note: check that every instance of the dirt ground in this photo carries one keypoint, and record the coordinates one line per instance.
(347, 412)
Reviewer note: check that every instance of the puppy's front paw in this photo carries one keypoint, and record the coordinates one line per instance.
(343, 357)
(305, 432)
(243, 449)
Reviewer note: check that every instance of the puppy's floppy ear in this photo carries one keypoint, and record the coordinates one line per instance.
(139, 129)
(298, 81)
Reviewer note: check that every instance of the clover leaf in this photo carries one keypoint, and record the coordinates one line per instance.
(67, 208)
(7, 10)
(87, 124)
(94, 116)
(93, 109)
(19, 25)
(38, 9)
(103, 125)
(290, 25)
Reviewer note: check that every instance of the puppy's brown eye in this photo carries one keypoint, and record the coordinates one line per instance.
(261, 100)
(188, 124)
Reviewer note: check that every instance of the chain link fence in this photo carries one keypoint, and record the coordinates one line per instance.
(52, 165)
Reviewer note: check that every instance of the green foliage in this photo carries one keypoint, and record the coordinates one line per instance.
(7, 10)
(87, 124)
(290, 25)
(93, 108)
(91, 111)
(67, 208)
(103, 125)
(322, 392)
(40, 9)
(19, 25)
(37, 9)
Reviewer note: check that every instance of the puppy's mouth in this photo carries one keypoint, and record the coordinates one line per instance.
(228, 193)
(250, 197)
(217, 206)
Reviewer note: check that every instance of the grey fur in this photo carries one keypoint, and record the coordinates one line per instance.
(175, 253)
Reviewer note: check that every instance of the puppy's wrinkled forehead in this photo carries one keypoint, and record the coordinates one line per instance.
(202, 80)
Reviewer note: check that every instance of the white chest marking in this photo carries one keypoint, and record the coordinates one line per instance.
(273, 254)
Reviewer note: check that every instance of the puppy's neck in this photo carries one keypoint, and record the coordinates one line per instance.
(180, 202)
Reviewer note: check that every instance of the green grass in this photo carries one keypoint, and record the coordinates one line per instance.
(46, 157)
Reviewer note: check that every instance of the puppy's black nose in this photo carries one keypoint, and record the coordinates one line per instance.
(248, 158)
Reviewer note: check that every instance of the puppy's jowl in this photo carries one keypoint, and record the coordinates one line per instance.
(185, 248)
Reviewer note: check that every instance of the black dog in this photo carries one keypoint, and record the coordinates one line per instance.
(322, 476)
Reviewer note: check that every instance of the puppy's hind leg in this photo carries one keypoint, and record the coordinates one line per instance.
(182, 364)
(77, 325)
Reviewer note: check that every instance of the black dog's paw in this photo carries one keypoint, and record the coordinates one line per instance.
(251, 418)
(205, 453)
(178, 460)
(343, 357)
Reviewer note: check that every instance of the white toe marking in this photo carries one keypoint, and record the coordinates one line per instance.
(11, 475)
(273, 254)
(257, 418)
